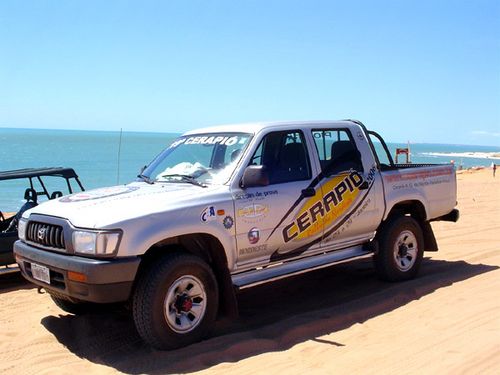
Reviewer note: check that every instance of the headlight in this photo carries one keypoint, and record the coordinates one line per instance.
(21, 229)
(95, 243)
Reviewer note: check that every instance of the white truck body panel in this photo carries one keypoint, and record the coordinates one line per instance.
(435, 187)
(258, 226)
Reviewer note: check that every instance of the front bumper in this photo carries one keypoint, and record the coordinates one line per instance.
(107, 280)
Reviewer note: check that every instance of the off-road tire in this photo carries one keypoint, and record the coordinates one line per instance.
(400, 234)
(153, 314)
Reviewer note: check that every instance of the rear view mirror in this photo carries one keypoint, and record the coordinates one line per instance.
(255, 175)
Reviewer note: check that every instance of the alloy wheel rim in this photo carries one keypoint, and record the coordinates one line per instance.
(405, 250)
(185, 304)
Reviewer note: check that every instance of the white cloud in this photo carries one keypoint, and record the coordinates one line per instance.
(486, 133)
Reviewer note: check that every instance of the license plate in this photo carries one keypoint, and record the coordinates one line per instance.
(40, 273)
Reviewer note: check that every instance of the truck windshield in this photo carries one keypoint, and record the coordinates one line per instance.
(199, 159)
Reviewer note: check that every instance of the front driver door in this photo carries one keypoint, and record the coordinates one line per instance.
(267, 226)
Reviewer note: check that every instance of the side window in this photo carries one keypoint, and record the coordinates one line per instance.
(285, 156)
(336, 150)
(257, 156)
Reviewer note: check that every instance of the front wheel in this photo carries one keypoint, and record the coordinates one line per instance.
(401, 249)
(175, 302)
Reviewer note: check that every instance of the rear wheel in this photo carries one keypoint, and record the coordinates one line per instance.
(401, 249)
(175, 302)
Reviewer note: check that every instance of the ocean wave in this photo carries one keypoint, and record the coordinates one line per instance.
(475, 155)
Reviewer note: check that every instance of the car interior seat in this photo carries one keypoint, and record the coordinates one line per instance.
(292, 164)
(344, 156)
(31, 197)
(56, 194)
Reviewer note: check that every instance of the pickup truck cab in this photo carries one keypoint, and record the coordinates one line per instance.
(230, 207)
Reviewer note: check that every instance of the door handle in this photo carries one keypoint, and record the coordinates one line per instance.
(309, 192)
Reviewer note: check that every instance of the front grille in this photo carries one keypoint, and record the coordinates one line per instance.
(45, 234)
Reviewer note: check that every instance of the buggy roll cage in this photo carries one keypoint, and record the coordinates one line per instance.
(37, 173)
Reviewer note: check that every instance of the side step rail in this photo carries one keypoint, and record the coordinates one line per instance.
(256, 277)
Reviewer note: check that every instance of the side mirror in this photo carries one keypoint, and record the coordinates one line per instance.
(254, 175)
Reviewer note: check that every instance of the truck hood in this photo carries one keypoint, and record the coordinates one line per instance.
(105, 207)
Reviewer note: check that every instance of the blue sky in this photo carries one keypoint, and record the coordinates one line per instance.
(424, 71)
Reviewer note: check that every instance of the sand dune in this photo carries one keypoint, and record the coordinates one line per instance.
(337, 320)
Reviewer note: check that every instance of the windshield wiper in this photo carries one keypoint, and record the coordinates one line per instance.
(185, 178)
(146, 179)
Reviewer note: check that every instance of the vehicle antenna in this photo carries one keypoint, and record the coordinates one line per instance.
(119, 152)
(409, 152)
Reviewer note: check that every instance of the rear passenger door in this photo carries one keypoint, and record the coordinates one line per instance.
(349, 186)
(267, 229)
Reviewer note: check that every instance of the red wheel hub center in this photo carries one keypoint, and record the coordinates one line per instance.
(187, 305)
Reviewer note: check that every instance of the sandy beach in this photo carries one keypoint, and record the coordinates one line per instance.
(337, 320)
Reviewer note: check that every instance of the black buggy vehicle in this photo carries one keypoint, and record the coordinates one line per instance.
(40, 184)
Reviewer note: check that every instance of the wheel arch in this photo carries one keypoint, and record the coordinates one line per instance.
(387, 266)
(416, 209)
(210, 250)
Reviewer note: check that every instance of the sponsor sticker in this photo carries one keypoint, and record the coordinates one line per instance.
(208, 214)
(253, 249)
(253, 211)
(257, 195)
(437, 172)
(341, 191)
(209, 140)
(253, 236)
(228, 222)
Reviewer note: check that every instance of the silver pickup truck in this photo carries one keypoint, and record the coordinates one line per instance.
(228, 208)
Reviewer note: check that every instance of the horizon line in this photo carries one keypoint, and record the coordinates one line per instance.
(180, 133)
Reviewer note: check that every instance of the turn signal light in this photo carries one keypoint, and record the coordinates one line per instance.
(77, 276)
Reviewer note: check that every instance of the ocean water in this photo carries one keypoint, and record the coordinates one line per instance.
(94, 156)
